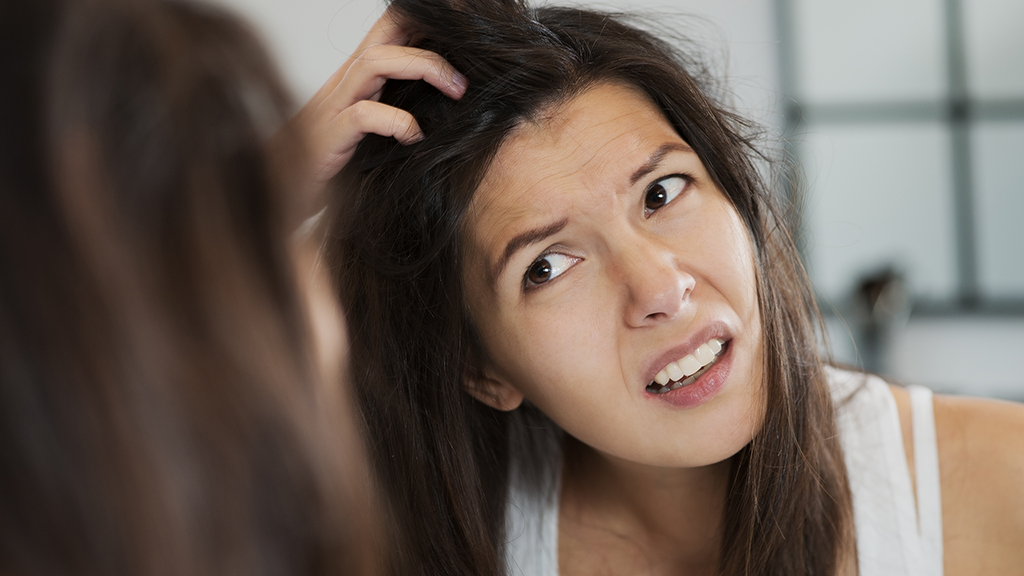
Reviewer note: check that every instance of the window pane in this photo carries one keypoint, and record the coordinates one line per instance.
(999, 181)
(995, 47)
(869, 50)
(880, 195)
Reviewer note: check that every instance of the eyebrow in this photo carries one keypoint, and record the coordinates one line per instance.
(534, 235)
(523, 240)
(656, 158)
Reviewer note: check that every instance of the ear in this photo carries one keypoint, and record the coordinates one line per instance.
(491, 391)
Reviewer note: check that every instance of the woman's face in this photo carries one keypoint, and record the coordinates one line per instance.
(602, 260)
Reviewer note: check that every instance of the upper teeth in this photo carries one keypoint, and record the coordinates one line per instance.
(689, 365)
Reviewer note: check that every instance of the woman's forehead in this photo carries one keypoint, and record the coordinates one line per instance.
(590, 150)
(597, 139)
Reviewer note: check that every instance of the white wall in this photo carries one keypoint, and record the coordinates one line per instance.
(309, 38)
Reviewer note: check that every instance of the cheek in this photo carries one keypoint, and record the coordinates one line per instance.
(730, 263)
(544, 348)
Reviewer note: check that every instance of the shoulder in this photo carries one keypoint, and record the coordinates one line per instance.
(981, 446)
(981, 472)
(981, 467)
(989, 431)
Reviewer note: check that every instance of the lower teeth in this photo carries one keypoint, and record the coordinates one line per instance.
(655, 388)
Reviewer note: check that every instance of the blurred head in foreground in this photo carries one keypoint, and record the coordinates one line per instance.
(162, 409)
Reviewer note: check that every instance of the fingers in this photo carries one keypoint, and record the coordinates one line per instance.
(337, 139)
(367, 75)
(387, 30)
(369, 117)
(346, 108)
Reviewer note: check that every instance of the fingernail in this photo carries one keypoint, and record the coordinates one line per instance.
(460, 82)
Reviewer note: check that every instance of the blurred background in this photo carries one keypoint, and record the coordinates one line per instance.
(907, 119)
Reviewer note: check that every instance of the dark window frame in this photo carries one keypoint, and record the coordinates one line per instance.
(958, 111)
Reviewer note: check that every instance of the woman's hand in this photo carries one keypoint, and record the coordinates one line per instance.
(347, 107)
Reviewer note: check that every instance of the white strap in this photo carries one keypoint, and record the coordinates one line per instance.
(888, 541)
(531, 522)
(926, 472)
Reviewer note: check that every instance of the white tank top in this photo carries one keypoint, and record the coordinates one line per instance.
(894, 537)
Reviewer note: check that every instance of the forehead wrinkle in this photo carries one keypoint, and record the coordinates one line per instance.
(591, 164)
(627, 146)
(634, 150)
(545, 157)
(497, 213)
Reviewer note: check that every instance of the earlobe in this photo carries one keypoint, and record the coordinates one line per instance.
(496, 394)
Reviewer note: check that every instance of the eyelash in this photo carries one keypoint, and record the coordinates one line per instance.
(687, 181)
(531, 285)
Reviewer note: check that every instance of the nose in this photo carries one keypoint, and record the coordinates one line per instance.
(656, 281)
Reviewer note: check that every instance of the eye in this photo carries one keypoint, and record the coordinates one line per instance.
(663, 191)
(548, 267)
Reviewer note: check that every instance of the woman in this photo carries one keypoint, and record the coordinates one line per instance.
(584, 343)
(164, 406)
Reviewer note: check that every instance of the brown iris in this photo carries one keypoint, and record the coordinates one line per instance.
(540, 272)
(656, 197)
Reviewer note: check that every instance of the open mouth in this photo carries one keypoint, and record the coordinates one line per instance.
(689, 368)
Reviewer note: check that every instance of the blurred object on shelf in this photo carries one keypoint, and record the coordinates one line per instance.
(879, 307)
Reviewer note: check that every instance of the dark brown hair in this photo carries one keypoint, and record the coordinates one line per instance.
(160, 409)
(443, 457)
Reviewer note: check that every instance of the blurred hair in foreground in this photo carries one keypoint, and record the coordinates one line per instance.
(161, 409)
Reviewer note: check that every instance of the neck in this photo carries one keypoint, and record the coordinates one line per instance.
(675, 515)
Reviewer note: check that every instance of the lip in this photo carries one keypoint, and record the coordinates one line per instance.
(716, 329)
(703, 389)
(709, 383)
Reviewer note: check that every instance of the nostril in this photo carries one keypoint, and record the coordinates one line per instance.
(659, 305)
(657, 285)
